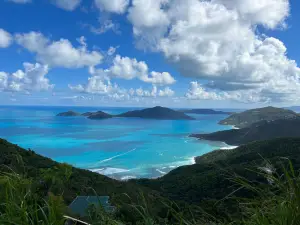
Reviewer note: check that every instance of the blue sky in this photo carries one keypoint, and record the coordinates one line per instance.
(178, 53)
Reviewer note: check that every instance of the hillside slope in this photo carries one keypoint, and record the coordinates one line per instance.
(209, 178)
(249, 117)
(80, 183)
(256, 132)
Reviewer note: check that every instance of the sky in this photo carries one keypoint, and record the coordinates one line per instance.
(175, 53)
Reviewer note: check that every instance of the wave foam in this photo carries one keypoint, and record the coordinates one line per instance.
(161, 172)
(109, 170)
(229, 147)
(127, 178)
(116, 156)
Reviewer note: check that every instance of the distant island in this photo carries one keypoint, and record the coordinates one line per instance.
(249, 117)
(204, 111)
(99, 115)
(69, 113)
(158, 112)
(263, 130)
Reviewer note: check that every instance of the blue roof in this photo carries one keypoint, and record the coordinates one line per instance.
(81, 203)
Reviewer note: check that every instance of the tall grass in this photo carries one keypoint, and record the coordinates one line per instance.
(275, 201)
(20, 205)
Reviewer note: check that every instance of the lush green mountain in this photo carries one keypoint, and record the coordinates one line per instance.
(69, 113)
(211, 178)
(99, 115)
(206, 184)
(256, 132)
(252, 116)
(204, 111)
(157, 112)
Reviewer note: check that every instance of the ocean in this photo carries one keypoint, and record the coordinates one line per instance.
(121, 148)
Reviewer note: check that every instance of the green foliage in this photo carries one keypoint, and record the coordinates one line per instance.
(263, 130)
(249, 117)
(278, 200)
(21, 205)
(208, 184)
(251, 185)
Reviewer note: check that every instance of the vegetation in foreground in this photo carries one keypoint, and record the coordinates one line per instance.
(271, 195)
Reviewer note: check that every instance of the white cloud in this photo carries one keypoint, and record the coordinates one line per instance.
(269, 13)
(167, 92)
(33, 78)
(113, 6)
(5, 39)
(128, 68)
(78, 88)
(68, 5)
(59, 53)
(20, 1)
(147, 93)
(217, 40)
(97, 85)
(105, 26)
(3, 80)
(198, 92)
(149, 20)
(112, 50)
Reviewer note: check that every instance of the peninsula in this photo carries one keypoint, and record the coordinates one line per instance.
(249, 117)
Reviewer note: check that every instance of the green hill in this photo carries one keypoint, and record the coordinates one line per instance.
(256, 132)
(158, 112)
(81, 182)
(205, 184)
(249, 117)
(99, 115)
(209, 178)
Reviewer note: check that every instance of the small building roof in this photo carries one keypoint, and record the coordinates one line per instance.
(81, 204)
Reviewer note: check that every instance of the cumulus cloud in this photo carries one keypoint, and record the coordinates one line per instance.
(147, 93)
(59, 53)
(5, 39)
(3, 80)
(68, 5)
(33, 78)
(167, 92)
(99, 85)
(129, 68)
(112, 6)
(269, 13)
(197, 91)
(20, 1)
(218, 41)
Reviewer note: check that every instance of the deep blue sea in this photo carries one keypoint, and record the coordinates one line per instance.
(121, 148)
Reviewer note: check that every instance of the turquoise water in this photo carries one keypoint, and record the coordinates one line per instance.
(120, 147)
